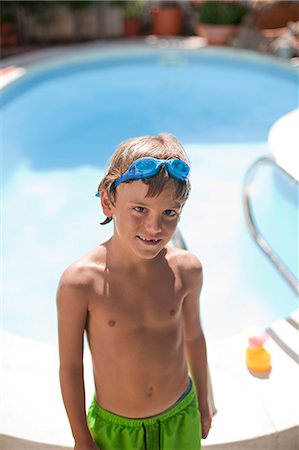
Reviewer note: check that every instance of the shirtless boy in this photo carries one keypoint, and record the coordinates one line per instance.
(137, 299)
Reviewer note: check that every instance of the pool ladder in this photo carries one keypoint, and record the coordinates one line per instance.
(179, 241)
(252, 226)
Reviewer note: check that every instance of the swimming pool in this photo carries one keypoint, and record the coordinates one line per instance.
(63, 119)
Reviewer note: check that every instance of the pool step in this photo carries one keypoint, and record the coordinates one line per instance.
(285, 334)
(294, 319)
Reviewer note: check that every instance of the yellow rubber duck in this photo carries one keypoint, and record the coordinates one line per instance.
(257, 357)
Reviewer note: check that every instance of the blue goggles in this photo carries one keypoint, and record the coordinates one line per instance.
(147, 167)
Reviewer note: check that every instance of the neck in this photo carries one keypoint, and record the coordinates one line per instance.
(119, 258)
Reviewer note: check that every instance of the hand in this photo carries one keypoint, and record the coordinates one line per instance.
(206, 422)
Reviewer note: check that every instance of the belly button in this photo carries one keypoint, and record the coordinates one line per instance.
(149, 391)
(172, 312)
(111, 323)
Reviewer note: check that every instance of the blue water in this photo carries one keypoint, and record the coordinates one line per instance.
(60, 126)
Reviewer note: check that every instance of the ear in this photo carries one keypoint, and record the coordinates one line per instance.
(106, 204)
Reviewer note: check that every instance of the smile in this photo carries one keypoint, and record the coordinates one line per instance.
(149, 240)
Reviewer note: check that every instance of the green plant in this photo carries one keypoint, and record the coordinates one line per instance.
(8, 14)
(222, 13)
(132, 8)
(168, 4)
(76, 5)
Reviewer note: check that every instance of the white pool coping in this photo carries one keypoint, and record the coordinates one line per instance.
(283, 142)
(250, 410)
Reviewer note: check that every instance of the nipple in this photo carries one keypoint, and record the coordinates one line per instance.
(111, 323)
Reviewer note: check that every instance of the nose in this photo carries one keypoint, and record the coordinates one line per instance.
(153, 224)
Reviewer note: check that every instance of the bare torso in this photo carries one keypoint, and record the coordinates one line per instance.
(135, 333)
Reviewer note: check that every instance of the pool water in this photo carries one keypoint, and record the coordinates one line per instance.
(61, 124)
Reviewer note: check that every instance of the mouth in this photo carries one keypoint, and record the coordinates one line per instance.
(149, 241)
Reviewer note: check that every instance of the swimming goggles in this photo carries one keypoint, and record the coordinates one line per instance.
(147, 167)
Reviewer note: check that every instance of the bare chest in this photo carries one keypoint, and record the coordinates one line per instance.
(123, 306)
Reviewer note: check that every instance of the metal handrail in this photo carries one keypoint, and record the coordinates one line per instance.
(252, 226)
(178, 240)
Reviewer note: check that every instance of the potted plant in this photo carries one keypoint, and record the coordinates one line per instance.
(132, 13)
(8, 34)
(219, 20)
(166, 19)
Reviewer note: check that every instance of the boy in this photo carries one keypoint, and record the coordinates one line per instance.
(138, 301)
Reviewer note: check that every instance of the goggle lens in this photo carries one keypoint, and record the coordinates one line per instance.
(145, 166)
(180, 167)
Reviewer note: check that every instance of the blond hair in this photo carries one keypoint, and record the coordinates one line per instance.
(163, 146)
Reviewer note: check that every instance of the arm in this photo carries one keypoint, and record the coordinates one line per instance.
(195, 344)
(72, 312)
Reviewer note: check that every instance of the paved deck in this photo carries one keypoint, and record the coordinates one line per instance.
(253, 413)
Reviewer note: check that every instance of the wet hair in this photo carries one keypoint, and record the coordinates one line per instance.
(163, 146)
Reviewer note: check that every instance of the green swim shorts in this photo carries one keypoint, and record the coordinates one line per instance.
(177, 428)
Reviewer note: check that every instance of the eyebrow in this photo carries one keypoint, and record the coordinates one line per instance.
(141, 203)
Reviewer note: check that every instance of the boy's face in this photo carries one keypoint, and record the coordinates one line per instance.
(145, 224)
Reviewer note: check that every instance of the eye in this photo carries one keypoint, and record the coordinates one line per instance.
(170, 213)
(139, 209)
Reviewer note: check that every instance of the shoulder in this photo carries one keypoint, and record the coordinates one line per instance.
(73, 286)
(184, 260)
(82, 271)
(76, 275)
(188, 267)
(78, 278)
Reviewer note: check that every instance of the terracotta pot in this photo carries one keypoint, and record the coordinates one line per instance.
(132, 26)
(6, 27)
(217, 34)
(9, 39)
(166, 21)
(276, 15)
